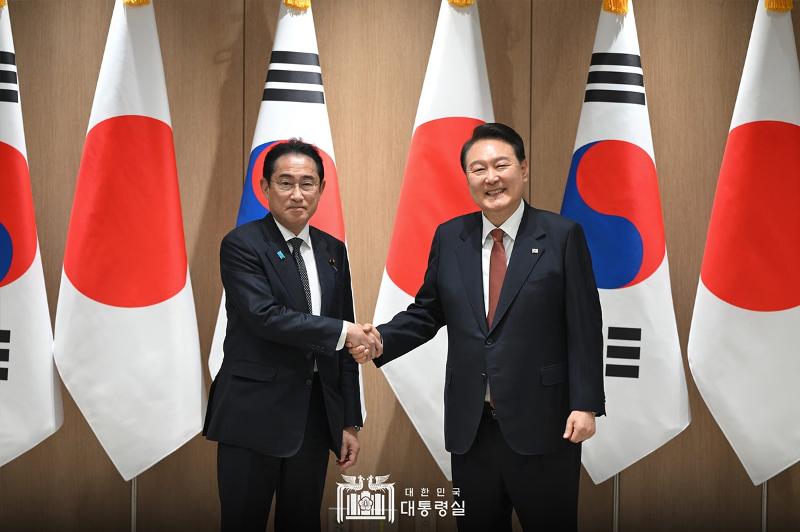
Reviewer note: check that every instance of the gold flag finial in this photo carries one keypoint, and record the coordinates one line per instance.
(461, 3)
(135, 3)
(302, 5)
(779, 5)
(620, 7)
(2, 4)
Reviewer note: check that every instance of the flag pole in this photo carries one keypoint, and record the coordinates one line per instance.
(764, 506)
(133, 504)
(615, 521)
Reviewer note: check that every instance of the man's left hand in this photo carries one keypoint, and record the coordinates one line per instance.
(350, 447)
(580, 426)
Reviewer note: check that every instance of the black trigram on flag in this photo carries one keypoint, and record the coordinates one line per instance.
(5, 340)
(623, 352)
(294, 77)
(615, 78)
(8, 78)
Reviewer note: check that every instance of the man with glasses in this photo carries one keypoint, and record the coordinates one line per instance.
(287, 392)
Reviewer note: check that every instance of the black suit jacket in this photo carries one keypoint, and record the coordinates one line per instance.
(543, 353)
(260, 398)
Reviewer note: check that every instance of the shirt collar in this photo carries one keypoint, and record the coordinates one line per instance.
(509, 227)
(288, 235)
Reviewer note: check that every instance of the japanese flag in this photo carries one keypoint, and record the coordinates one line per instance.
(744, 345)
(455, 98)
(126, 334)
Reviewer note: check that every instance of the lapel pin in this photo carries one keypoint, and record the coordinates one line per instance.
(332, 262)
(535, 250)
(281, 255)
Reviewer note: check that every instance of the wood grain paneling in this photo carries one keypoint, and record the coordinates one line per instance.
(692, 55)
(373, 56)
(563, 35)
(784, 489)
(203, 51)
(67, 482)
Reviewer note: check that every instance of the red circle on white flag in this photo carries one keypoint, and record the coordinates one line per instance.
(125, 245)
(434, 190)
(752, 254)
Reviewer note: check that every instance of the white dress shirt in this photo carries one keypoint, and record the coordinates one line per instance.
(307, 252)
(510, 228)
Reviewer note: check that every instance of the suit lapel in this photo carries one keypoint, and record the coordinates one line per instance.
(286, 267)
(523, 260)
(325, 269)
(471, 267)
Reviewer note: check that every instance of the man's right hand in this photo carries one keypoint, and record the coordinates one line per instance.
(363, 342)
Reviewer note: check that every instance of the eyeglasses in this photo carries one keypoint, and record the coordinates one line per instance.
(500, 168)
(306, 186)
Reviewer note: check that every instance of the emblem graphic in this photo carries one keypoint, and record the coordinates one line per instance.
(375, 501)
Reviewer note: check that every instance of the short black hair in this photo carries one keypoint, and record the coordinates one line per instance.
(496, 131)
(293, 145)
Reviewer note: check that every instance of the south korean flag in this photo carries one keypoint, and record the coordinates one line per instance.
(612, 191)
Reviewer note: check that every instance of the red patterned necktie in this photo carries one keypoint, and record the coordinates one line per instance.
(497, 272)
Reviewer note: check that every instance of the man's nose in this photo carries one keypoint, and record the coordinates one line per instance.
(492, 176)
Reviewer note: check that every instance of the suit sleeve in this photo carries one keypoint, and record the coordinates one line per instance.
(248, 290)
(584, 327)
(348, 369)
(422, 319)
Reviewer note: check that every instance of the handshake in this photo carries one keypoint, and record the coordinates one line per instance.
(363, 342)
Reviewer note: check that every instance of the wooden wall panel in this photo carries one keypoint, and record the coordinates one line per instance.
(372, 112)
(784, 489)
(692, 54)
(373, 57)
(563, 36)
(260, 21)
(67, 482)
(203, 49)
(783, 513)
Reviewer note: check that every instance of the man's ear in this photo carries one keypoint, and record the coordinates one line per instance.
(265, 187)
(321, 186)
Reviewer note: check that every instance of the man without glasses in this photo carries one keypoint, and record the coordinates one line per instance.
(523, 380)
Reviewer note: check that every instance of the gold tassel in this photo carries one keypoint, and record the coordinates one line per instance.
(461, 3)
(302, 5)
(779, 5)
(135, 3)
(620, 7)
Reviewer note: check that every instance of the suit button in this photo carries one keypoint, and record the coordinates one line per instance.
(308, 382)
(489, 341)
(483, 376)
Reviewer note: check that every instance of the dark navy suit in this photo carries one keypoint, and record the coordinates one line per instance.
(542, 357)
(267, 403)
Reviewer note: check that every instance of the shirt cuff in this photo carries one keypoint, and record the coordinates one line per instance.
(342, 336)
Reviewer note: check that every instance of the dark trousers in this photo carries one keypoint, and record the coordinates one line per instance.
(248, 480)
(493, 479)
